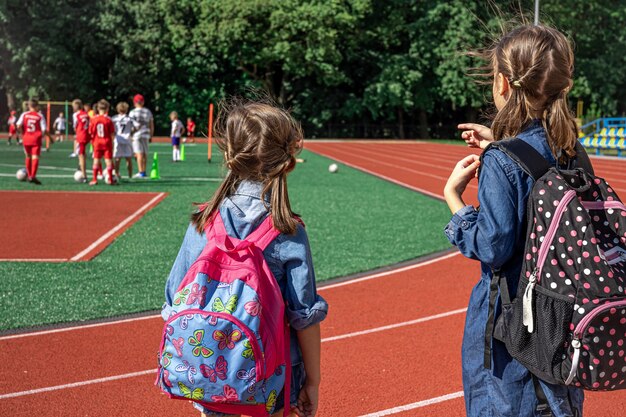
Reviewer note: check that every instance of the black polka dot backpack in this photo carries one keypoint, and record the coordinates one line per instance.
(567, 324)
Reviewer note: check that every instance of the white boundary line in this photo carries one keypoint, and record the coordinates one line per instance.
(390, 272)
(413, 406)
(376, 174)
(395, 325)
(148, 371)
(40, 167)
(118, 227)
(339, 284)
(76, 384)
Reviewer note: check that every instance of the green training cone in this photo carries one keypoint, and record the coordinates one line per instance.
(154, 171)
(182, 152)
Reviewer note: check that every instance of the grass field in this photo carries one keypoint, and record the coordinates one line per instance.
(355, 222)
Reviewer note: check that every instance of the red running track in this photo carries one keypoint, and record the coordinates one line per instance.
(391, 342)
(58, 226)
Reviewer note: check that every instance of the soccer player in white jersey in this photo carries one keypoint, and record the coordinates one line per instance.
(60, 124)
(144, 122)
(177, 132)
(122, 147)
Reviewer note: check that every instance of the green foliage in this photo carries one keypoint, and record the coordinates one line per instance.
(333, 62)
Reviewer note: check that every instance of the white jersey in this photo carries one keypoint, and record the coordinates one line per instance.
(177, 128)
(141, 118)
(123, 128)
(59, 123)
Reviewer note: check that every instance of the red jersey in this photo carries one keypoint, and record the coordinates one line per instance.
(81, 126)
(191, 127)
(101, 128)
(33, 125)
(12, 128)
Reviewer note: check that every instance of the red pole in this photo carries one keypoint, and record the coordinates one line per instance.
(210, 130)
(48, 127)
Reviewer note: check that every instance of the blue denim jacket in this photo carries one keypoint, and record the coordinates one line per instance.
(494, 234)
(289, 258)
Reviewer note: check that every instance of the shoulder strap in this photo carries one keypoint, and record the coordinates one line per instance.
(263, 235)
(531, 161)
(582, 159)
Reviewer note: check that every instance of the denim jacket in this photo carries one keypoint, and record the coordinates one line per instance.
(288, 257)
(494, 233)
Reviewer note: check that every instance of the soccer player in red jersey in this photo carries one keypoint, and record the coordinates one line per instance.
(102, 131)
(191, 129)
(33, 126)
(13, 128)
(81, 128)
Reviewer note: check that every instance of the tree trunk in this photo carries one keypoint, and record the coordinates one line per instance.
(400, 123)
(423, 119)
(471, 114)
(11, 101)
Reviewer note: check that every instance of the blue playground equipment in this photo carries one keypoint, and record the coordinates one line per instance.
(608, 133)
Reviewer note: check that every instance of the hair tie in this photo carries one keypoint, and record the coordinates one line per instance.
(516, 84)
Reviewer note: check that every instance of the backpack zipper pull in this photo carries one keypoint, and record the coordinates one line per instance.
(575, 359)
(527, 303)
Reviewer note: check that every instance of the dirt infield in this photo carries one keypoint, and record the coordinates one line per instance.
(59, 226)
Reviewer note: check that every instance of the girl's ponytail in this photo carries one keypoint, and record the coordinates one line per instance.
(202, 217)
(283, 217)
(561, 127)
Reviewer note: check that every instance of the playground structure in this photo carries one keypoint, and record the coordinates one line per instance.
(605, 134)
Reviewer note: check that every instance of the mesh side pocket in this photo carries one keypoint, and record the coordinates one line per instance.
(542, 351)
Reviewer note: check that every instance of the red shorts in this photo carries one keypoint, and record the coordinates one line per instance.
(82, 147)
(32, 149)
(12, 130)
(101, 150)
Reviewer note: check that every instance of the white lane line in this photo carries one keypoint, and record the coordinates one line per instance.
(390, 272)
(413, 406)
(395, 325)
(148, 371)
(339, 284)
(76, 384)
(77, 327)
(118, 227)
(207, 179)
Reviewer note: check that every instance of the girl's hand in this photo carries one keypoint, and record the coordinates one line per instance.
(464, 171)
(475, 135)
(308, 400)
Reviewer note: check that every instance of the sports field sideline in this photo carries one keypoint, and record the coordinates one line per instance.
(433, 298)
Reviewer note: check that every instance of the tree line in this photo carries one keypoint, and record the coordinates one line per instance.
(349, 68)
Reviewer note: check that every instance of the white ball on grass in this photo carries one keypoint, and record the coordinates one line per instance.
(332, 168)
(21, 174)
(78, 176)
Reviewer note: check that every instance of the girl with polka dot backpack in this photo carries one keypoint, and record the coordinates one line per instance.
(567, 324)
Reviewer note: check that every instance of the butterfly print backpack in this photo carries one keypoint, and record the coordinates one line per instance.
(567, 324)
(225, 342)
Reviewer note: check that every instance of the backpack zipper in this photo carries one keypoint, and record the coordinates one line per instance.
(535, 277)
(578, 334)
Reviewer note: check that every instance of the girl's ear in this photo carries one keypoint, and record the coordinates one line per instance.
(503, 85)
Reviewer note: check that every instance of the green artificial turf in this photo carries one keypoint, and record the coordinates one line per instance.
(355, 222)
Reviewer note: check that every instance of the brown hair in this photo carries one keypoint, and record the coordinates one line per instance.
(538, 62)
(122, 107)
(77, 103)
(103, 105)
(260, 143)
(33, 103)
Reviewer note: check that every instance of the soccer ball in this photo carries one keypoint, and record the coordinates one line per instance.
(332, 168)
(78, 176)
(21, 174)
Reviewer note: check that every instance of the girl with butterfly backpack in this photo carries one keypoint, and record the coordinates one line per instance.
(242, 334)
(532, 70)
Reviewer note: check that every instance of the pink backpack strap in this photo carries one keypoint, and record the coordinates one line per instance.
(263, 235)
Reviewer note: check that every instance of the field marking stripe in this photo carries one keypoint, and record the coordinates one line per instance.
(395, 325)
(390, 272)
(123, 223)
(340, 284)
(415, 405)
(76, 384)
(40, 166)
(134, 374)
